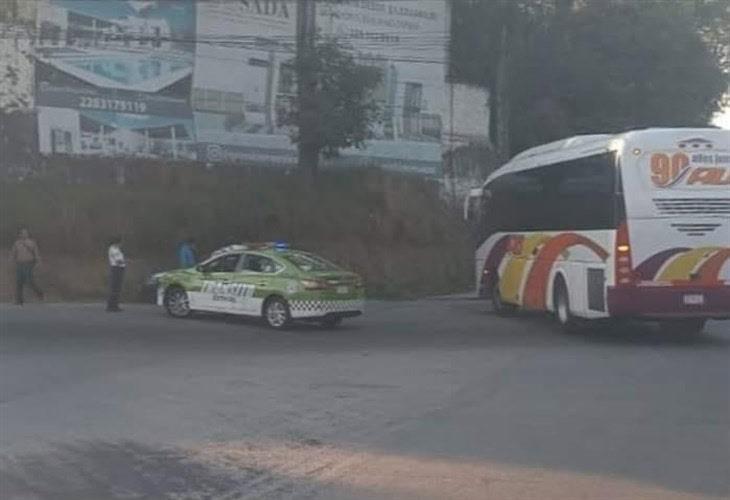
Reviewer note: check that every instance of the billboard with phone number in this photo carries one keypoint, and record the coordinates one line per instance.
(113, 77)
(208, 80)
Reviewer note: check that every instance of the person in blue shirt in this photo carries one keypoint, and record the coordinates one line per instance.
(187, 255)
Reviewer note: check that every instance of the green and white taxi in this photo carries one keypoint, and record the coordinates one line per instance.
(264, 280)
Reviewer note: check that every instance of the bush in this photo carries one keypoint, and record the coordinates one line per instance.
(391, 228)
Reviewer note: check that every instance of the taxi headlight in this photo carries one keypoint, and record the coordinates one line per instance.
(310, 285)
(154, 279)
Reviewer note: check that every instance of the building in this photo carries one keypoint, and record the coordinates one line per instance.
(209, 80)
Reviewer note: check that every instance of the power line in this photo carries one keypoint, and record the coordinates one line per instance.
(276, 43)
(360, 56)
(357, 41)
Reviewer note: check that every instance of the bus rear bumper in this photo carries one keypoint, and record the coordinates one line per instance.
(660, 302)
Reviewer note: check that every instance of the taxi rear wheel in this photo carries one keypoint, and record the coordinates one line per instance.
(276, 313)
(177, 302)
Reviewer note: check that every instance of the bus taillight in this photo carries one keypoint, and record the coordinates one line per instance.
(624, 268)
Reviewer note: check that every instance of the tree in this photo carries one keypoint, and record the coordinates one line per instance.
(610, 68)
(713, 21)
(488, 36)
(17, 123)
(343, 104)
(595, 65)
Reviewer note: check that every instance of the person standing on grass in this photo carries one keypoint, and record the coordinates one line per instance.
(187, 256)
(25, 256)
(117, 265)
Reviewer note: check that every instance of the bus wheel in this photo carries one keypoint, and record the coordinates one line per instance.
(500, 307)
(683, 326)
(561, 306)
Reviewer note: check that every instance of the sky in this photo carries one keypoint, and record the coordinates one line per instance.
(722, 120)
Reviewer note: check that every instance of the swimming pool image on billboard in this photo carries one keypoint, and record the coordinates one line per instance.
(113, 78)
(140, 73)
(126, 45)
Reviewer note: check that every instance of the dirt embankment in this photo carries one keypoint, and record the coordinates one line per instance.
(392, 229)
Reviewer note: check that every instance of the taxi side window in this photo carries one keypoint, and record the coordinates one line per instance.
(260, 264)
(224, 264)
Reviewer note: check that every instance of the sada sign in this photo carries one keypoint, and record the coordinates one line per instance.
(276, 8)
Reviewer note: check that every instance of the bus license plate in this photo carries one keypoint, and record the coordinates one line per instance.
(695, 299)
(342, 290)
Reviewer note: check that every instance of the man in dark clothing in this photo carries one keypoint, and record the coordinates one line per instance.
(25, 256)
(117, 265)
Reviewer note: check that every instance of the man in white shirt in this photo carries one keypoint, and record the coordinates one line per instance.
(117, 264)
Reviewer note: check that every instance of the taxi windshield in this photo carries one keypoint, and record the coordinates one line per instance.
(310, 263)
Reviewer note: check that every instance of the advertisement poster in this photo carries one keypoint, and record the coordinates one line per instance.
(240, 87)
(114, 77)
(207, 80)
(408, 41)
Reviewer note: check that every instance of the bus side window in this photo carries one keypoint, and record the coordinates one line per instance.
(516, 202)
(574, 195)
(584, 193)
(489, 215)
(497, 206)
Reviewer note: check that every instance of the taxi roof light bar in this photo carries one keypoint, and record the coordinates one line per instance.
(238, 247)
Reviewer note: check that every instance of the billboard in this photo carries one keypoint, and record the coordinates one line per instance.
(206, 80)
(408, 40)
(239, 88)
(114, 77)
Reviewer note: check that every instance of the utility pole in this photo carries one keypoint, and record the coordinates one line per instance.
(306, 87)
(501, 94)
(502, 97)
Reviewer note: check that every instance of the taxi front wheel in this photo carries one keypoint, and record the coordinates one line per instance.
(276, 313)
(177, 302)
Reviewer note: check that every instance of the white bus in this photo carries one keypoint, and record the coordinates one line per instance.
(635, 225)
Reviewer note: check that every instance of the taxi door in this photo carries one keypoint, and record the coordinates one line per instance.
(216, 292)
(254, 282)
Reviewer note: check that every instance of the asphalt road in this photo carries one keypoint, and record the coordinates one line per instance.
(433, 399)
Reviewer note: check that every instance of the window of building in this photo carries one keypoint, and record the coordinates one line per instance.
(287, 79)
(61, 141)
